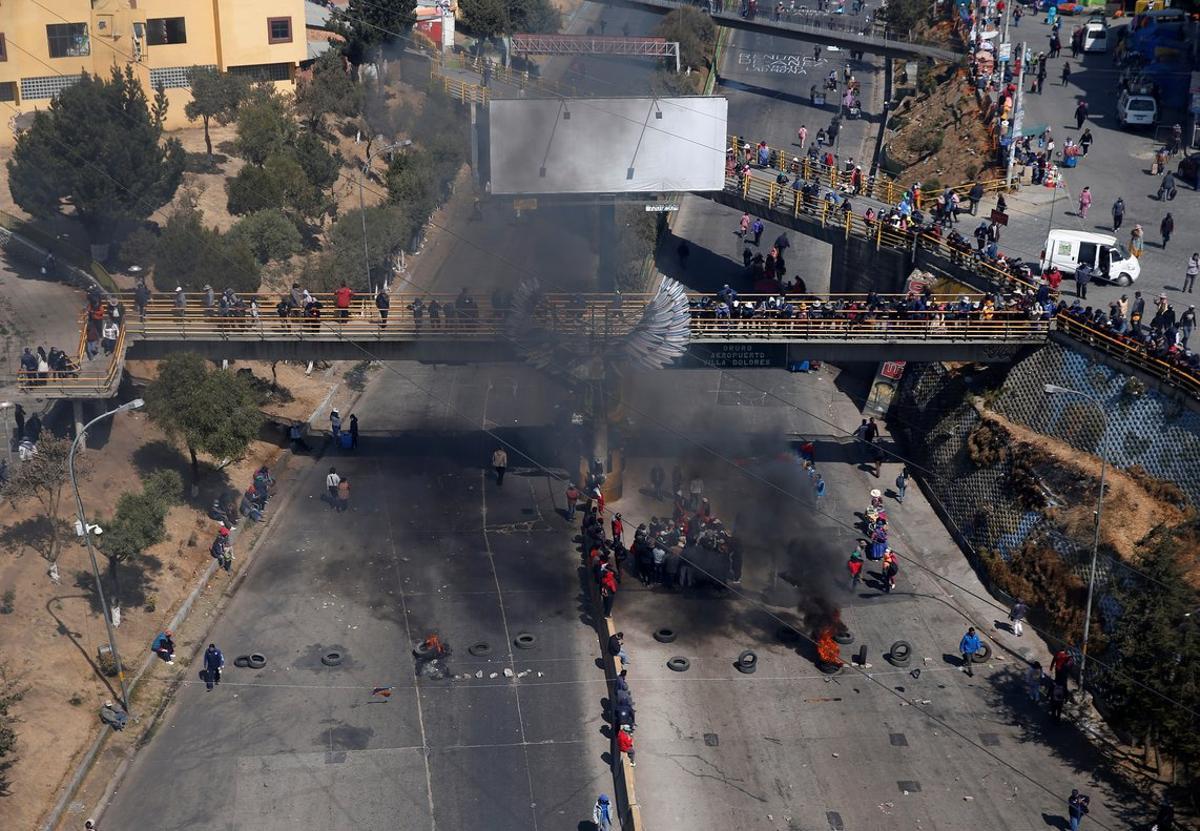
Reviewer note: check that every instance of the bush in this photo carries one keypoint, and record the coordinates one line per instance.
(138, 522)
(388, 230)
(190, 255)
(268, 234)
(138, 248)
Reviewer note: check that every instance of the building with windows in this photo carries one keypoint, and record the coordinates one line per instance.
(46, 44)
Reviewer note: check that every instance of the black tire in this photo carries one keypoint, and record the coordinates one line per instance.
(678, 664)
(257, 660)
(481, 649)
(983, 655)
(900, 654)
(241, 661)
(665, 636)
(747, 662)
(422, 651)
(524, 640)
(331, 659)
(844, 636)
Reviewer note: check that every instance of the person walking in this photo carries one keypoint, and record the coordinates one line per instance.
(1081, 114)
(968, 646)
(353, 431)
(855, 567)
(1066, 72)
(820, 488)
(1086, 141)
(975, 196)
(1189, 275)
(343, 495)
(1136, 241)
(1077, 808)
(757, 228)
(1165, 228)
(618, 529)
(1085, 200)
(744, 225)
(1033, 681)
(1118, 213)
(657, 478)
(499, 464)
(331, 485)
(572, 500)
(901, 485)
(602, 814)
(1016, 617)
(213, 663)
(802, 136)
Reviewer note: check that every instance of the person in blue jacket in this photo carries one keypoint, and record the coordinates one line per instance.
(213, 662)
(968, 646)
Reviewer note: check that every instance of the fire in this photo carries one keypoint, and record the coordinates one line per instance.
(827, 648)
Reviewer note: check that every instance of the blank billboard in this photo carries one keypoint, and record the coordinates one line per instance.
(607, 145)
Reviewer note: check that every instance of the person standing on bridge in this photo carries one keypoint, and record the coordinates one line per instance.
(383, 303)
(342, 298)
(141, 299)
(499, 464)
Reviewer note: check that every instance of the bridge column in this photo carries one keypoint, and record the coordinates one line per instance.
(77, 414)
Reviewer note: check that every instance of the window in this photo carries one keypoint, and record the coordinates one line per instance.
(1087, 253)
(8, 91)
(174, 77)
(279, 30)
(68, 40)
(3, 48)
(45, 86)
(264, 71)
(161, 31)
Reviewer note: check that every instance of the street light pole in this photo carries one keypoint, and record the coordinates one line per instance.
(1054, 389)
(87, 539)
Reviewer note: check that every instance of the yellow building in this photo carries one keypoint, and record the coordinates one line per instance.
(46, 44)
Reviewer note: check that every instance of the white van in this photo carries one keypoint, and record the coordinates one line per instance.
(1110, 260)
(1095, 36)
(1135, 110)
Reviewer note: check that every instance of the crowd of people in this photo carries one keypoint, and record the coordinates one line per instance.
(252, 505)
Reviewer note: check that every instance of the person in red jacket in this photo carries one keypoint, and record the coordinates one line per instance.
(855, 565)
(343, 296)
(625, 743)
(618, 528)
(608, 590)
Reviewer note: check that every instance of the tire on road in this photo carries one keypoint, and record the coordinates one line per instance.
(481, 649)
(900, 654)
(665, 635)
(983, 655)
(678, 664)
(242, 661)
(844, 636)
(524, 640)
(423, 650)
(747, 662)
(256, 660)
(331, 659)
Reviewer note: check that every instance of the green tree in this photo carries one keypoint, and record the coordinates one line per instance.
(367, 25)
(330, 91)
(42, 478)
(388, 230)
(214, 412)
(11, 691)
(320, 166)
(533, 16)
(191, 255)
(485, 18)
(268, 234)
(265, 126)
(99, 148)
(281, 183)
(695, 32)
(905, 15)
(138, 523)
(1156, 641)
(215, 97)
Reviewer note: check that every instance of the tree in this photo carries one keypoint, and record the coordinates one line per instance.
(1156, 641)
(330, 91)
(214, 412)
(904, 15)
(264, 125)
(387, 232)
(268, 234)
(99, 148)
(533, 17)
(320, 166)
(138, 523)
(11, 691)
(190, 255)
(215, 97)
(43, 478)
(366, 25)
(695, 32)
(485, 18)
(280, 184)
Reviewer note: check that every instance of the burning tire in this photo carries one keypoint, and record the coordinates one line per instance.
(843, 636)
(828, 668)
(900, 654)
(423, 650)
(665, 636)
(747, 662)
(256, 660)
(983, 655)
(678, 664)
(481, 649)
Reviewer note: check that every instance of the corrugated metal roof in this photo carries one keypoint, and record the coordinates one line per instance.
(316, 15)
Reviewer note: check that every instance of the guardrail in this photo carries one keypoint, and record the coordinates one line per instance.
(465, 92)
(783, 197)
(82, 382)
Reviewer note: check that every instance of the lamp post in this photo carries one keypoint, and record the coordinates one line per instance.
(87, 539)
(1054, 389)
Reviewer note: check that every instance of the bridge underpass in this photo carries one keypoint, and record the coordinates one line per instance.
(876, 43)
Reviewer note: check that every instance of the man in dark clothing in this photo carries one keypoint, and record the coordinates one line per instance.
(1081, 113)
(353, 431)
(616, 648)
(213, 662)
(1077, 808)
(657, 478)
(141, 299)
(1083, 276)
(19, 416)
(975, 195)
(1165, 819)
(383, 303)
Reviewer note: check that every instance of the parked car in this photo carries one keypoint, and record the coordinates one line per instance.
(1135, 110)
(1111, 260)
(1189, 170)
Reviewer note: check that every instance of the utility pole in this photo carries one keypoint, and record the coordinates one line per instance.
(362, 209)
(1018, 116)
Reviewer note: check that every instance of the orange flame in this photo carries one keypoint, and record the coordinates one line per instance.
(827, 648)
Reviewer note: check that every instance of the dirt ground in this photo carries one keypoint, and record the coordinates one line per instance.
(1130, 511)
(51, 637)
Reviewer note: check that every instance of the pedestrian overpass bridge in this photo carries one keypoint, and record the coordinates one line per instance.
(480, 331)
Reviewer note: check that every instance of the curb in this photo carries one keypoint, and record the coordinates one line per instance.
(85, 764)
